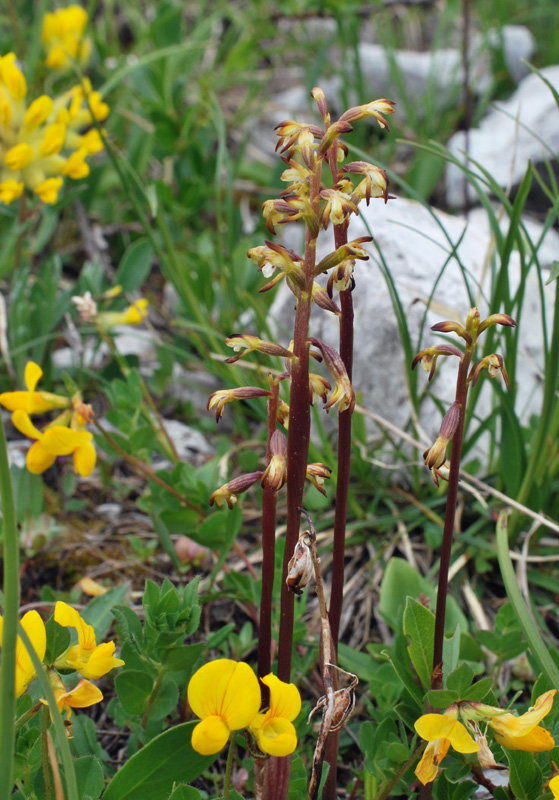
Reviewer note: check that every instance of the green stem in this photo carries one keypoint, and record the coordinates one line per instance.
(152, 697)
(45, 754)
(229, 767)
(61, 738)
(10, 623)
(387, 787)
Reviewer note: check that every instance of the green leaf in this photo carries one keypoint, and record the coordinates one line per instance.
(451, 652)
(90, 777)
(133, 688)
(166, 700)
(135, 265)
(399, 573)
(153, 770)
(99, 612)
(419, 625)
(478, 690)
(525, 775)
(297, 780)
(58, 639)
(185, 792)
(461, 679)
(442, 698)
(553, 272)
(182, 658)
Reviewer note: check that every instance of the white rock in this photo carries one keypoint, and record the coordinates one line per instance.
(523, 128)
(518, 46)
(416, 245)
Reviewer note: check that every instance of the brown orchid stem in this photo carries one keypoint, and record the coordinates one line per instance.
(269, 502)
(299, 435)
(448, 531)
(342, 487)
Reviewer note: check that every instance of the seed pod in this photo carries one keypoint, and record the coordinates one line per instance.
(300, 567)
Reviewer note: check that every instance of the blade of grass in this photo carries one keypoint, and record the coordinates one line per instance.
(523, 615)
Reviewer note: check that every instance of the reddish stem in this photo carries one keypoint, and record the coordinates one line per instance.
(269, 502)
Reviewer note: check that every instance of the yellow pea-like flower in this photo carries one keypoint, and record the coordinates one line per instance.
(87, 657)
(34, 627)
(441, 731)
(226, 696)
(273, 730)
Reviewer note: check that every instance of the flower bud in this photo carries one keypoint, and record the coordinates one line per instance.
(428, 357)
(448, 326)
(497, 319)
(374, 109)
(318, 96)
(283, 414)
(343, 391)
(316, 474)
(351, 250)
(249, 344)
(323, 300)
(229, 491)
(219, 399)
(300, 567)
(275, 474)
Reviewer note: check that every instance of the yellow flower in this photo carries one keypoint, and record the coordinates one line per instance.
(10, 190)
(554, 786)
(441, 731)
(87, 657)
(83, 695)
(523, 733)
(273, 730)
(135, 314)
(56, 441)
(63, 37)
(47, 190)
(226, 696)
(76, 166)
(34, 627)
(18, 156)
(31, 401)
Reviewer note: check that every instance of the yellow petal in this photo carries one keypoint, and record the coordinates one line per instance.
(21, 421)
(61, 441)
(14, 400)
(91, 587)
(210, 736)
(226, 689)
(38, 460)
(83, 695)
(554, 786)
(34, 627)
(68, 617)
(33, 373)
(101, 661)
(426, 770)
(510, 725)
(277, 737)
(538, 740)
(437, 726)
(285, 700)
(84, 459)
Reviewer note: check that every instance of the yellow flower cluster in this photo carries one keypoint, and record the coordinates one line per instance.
(86, 657)
(44, 141)
(226, 696)
(442, 731)
(65, 436)
(63, 38)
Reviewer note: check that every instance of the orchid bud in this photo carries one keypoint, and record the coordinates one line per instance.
(428, 357)
(323, 300)
(448, 326)
(219, 399)
(316, 474)
(229, 491)
(352, 250)
(497, 319)
(374, 109)
(343, 391)
(275, 474)
(248, 344)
